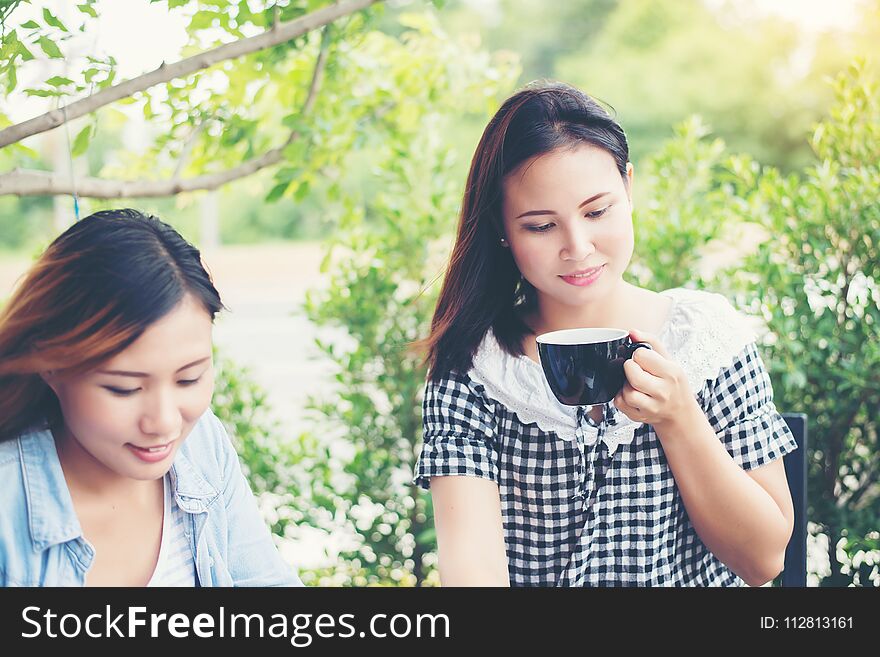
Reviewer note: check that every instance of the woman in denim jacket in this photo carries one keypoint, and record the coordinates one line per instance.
(113, 470)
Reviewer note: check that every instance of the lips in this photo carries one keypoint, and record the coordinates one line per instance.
(583, 277)
(153, 453)
(583, 273)
(153, 449)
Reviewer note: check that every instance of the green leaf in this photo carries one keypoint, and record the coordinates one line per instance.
(296, 151)
(295, 122)
(202, 20)
(42, 93)
(50, 48)
(11, 79)
(26, 55)
(30, 25)
(51, 20)
(81, 142)
(427, 536)
(88, 9)
(302, 191)
(276, 192)
(91, 73)
(58, 81)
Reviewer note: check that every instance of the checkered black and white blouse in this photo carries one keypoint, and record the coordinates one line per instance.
(595, 504)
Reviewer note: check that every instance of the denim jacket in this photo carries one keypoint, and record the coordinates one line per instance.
(42, 544)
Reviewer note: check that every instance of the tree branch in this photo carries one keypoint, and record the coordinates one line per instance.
(835, 446)
(279, 33)
(870, 477)
(42, 183)
(318, 73)
(39, 183)
(867, 482)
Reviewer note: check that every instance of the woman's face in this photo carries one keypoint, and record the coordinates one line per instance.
(568, 221)
(132, 413)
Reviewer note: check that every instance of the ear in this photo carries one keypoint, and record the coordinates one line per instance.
(51, 380)
(629, 182)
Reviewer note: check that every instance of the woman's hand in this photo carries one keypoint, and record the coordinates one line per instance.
(656, 390)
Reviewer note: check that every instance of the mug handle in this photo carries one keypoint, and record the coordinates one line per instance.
(637, 345)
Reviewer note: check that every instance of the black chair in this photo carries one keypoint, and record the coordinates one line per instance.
(795, 569)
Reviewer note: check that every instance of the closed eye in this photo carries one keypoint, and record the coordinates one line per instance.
(128, 392)
(121, 392)
(595, 214)
(539, 229)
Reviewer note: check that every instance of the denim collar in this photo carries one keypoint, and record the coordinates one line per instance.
(51, 514)
(192, 492)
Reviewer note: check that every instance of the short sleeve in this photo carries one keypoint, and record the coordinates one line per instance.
(739, 406)
(460, 432)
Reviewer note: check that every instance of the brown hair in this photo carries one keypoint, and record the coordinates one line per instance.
(91, 294)
(483, 288)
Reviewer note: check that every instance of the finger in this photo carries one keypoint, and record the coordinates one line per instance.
(638, 335)
(654, 363)
(626, 409)
(638, 401)
(640, 379)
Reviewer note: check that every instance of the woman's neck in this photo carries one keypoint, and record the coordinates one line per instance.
(88, 478)
(613, 311)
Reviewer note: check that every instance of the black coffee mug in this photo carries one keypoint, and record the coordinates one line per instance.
(584, 366)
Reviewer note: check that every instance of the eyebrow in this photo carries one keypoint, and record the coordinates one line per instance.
(532, 213)
(143, 375)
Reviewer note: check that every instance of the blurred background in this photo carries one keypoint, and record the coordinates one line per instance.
(321, 176)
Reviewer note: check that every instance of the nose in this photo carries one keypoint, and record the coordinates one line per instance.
(578, 243)
(161, 415)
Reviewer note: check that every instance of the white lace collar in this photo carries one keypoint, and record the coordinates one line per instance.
(703, 333)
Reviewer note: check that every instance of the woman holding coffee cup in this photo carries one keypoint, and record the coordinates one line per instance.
(113, 470)
(580, 430)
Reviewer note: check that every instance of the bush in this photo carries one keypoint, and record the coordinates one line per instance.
(815, 284)
(350, 475)
(811, 278)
